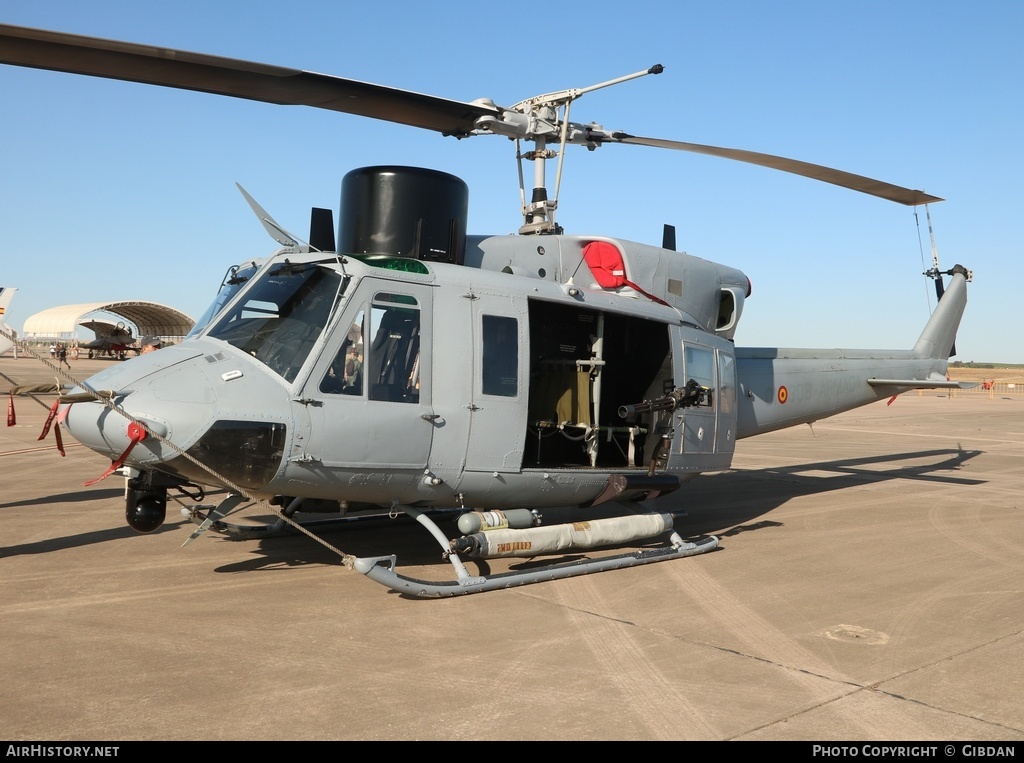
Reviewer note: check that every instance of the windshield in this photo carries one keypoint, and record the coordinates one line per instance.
(282, 315)
(235, 279)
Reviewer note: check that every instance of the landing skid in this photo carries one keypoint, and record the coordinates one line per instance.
(211, 518)
(200, 515)
(382, 568)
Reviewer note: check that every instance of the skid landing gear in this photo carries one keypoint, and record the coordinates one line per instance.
(534, 541)
(212, 518)
(513, 540)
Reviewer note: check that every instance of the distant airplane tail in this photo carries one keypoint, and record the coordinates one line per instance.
(6, 295)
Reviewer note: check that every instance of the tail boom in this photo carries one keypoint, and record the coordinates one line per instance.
(780, 388)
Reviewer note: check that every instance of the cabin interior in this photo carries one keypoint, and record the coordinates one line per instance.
(584, 365)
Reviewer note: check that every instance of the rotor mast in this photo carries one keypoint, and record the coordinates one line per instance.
(537, 121)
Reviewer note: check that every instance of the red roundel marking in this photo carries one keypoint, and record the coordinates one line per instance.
(783, 395)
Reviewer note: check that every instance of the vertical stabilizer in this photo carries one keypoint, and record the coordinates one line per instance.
(939, 334)
(6, 295)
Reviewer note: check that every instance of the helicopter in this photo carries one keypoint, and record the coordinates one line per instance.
(396, 363)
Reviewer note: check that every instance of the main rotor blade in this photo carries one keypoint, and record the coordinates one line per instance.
(76, 54)
(814, 171)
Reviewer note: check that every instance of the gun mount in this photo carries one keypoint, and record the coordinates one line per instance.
(690, 394)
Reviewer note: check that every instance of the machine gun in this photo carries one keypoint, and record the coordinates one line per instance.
(688, 395)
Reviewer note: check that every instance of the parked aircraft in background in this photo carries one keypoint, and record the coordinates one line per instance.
(6, 295)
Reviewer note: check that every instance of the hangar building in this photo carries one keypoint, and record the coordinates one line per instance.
(147, 319)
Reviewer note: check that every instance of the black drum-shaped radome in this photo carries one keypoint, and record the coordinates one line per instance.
(405, 212)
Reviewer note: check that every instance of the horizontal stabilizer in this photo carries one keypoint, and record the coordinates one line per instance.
(940, 383)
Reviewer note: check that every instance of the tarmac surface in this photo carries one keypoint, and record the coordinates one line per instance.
(869, 586)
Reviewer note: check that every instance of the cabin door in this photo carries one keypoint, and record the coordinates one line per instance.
(480, 383)
(500, 383)
(705, 432)
(369, 392)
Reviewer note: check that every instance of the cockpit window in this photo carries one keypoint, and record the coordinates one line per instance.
(282, 315)
(235, 279)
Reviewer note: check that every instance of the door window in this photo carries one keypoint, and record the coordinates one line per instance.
(392, 362)
(345, 375)
(500, 356)
(699, 365)
(727, 380)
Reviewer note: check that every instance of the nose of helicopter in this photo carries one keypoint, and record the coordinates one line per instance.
(110, 432)
(147, 394)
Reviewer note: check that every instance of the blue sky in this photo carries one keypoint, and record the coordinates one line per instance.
(113, 191)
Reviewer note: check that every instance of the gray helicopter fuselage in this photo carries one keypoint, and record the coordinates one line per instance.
(506, 352)
(496, 383)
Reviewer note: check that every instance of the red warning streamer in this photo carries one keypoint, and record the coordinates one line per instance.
(136, 434)
(11, 418)
(49, 419)
(60, 440)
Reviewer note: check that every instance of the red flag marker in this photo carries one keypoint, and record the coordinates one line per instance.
(135, 434)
